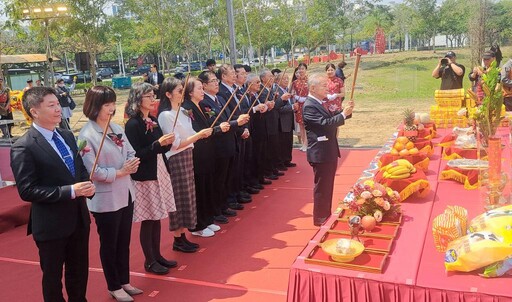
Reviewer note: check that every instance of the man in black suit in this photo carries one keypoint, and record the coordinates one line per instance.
(323, 150)
(286, 123)
(156, 79)
(50, 174)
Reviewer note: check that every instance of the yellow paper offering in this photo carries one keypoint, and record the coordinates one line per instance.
(498, 221)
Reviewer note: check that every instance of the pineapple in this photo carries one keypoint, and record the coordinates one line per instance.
(410, 129)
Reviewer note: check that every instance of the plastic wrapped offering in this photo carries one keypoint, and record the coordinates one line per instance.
(498, 269)
(475, 251)
(498, 221)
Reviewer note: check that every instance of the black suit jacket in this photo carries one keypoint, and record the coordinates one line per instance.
(319, 123)
(44, 180)
(160, 78)
(204, 149)
(285, 110)
(225, 143)
(271, 116)
(146, 146)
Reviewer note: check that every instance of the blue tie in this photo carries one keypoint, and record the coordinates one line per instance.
(64, 153)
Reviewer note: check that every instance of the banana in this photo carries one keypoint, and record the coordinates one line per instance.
(398, 170)
(400, 176)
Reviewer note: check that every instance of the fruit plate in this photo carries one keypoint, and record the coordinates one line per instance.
(351, 249)
(367, 261)
(370, 243)
(396, 220)
(381, 230)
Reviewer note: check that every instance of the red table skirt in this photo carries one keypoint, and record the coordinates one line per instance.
(309, 286)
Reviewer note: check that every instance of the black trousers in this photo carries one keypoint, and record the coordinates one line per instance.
(73, 253)
(6, 129)
(272, 154)
(236, 174)
(114, 229)
(250, 170)
(322, 194)
(285, 147)
(259, 156)
(205, 200)
(222, 185)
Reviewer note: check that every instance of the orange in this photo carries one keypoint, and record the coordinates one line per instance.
(404, 152)
(402, 139)
(399, 146)
(393, 151)
(409, 145)
(413, 151)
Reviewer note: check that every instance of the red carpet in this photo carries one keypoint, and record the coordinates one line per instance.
(248, 260)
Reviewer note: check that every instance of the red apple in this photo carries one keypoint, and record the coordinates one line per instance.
(368, 223)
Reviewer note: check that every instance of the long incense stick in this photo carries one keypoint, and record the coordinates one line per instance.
(258, 96)
(101, 146)
(239, 101)
(181, 102)
(224, 108)
(356, 68)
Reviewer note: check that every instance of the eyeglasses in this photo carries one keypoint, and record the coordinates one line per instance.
(152, 96)
(213, 81)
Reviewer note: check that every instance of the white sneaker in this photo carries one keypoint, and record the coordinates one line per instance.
(204, 233)
(214, 227)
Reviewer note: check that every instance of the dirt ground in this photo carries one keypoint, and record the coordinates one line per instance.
(371, 125)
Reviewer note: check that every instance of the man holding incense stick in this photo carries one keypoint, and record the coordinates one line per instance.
(323, 150)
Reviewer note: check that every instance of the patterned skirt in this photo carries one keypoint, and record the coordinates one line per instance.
(154, 199)
(181, 167)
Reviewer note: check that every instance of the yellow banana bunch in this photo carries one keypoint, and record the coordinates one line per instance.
(399, 169)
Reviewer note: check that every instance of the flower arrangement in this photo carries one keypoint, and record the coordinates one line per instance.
(488, 115)
(374, 199)
(150, 124)
(208, 110)
(117, 139)
(191, 114)
(82, 147)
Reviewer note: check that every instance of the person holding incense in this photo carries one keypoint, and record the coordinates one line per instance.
(112, 205)
(300, 92)
(154, 197)
(172, 118)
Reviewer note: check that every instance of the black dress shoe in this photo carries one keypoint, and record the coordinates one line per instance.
(252, 190)
(290, 164)
(271, 177)
(282, 168)
(257, 186)
(244, 194)
(167, 263)
(156, 268)
(229, 213)
(278, 173)
(188, 242)
(244, 200)
(220, 219)
(236, 206)
(181, 246)
(265, 182)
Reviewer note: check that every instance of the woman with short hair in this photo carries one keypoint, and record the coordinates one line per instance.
(112, 205)
(154, 197)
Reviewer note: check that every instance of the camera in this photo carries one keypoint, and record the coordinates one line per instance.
(444, 61)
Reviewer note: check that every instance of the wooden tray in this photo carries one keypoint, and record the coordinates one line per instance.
(382, 230)
(368, 261)
(397, 220)
(370, 243)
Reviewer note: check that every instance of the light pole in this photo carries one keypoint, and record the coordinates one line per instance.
(46, 13)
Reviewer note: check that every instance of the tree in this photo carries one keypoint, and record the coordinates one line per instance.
(453, 21)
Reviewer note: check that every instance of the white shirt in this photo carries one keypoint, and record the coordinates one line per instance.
(231, 89)
(182, 131)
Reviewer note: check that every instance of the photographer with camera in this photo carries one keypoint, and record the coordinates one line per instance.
(449, 71)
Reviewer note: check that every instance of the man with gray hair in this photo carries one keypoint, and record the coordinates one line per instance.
(323, 151)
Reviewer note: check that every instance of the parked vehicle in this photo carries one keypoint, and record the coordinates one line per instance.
(141, 70)
(80, 77)
(104, 73)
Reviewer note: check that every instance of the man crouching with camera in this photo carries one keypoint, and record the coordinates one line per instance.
(449, 71)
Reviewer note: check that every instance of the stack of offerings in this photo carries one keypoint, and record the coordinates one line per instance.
(448, 103)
